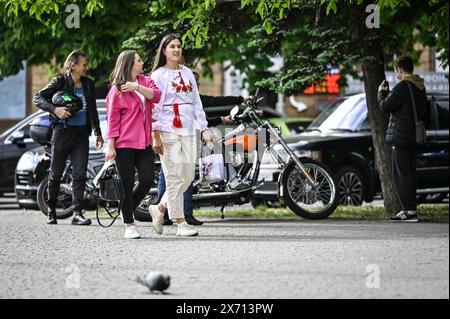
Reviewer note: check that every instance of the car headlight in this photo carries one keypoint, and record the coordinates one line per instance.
(28, 161)
(315, 155)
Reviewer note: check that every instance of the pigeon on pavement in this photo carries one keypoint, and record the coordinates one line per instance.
(155, 281)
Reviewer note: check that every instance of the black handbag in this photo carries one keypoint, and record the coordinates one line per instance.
(110, 185)
(421, 132)
(110, 192)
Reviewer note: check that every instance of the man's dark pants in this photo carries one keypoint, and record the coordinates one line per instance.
(404, 161)
(72, 141)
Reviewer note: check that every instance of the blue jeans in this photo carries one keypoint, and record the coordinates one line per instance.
(188, 205)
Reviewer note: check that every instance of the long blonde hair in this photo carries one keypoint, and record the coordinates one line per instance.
(122, 71)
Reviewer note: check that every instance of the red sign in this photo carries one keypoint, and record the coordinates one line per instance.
(328, 86)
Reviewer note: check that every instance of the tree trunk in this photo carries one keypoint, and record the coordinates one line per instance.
(373, 73)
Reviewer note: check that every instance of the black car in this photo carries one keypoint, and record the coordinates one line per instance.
(340, 137)
(13, 143)
(25, 179)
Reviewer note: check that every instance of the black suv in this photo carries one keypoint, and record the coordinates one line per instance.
(340, 138)
(13, 143)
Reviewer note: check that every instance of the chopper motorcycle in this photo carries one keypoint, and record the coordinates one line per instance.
(307, 187)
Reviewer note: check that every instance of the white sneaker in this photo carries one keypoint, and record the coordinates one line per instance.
(157, 218)
(131, 232)
(186, 230)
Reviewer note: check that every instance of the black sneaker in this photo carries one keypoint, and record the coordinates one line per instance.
(167, 220)
(405, 217)
(51, 217)
(191, 220)
(79, 219)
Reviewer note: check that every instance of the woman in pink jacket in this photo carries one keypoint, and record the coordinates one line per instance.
(129, 114)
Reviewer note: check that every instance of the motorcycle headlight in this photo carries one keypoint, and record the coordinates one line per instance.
(314, 155)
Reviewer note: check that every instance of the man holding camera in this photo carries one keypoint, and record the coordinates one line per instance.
(401, 132)
(71, 132)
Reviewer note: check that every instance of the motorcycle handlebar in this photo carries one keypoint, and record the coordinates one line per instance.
(250, 105)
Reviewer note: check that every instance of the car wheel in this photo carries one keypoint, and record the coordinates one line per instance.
(351, 186)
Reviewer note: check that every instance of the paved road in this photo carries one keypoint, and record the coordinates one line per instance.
(234, 258)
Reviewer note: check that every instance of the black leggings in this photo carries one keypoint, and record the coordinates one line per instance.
(129, 159)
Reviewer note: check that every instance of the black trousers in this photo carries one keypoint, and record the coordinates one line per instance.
(404, 162)
(128, 160)
(72, 141)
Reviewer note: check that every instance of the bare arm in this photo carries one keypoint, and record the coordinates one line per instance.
(111, 152)
(157, 143)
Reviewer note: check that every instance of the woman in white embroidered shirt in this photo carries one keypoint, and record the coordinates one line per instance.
(174, 132)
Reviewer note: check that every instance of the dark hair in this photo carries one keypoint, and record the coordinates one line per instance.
(122, 70)
(73, 58)
(160, 58)
(405, 63)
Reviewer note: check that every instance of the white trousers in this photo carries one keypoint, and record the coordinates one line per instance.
(178, 164)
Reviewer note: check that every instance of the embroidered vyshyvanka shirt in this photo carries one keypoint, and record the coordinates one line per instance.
(180, 109)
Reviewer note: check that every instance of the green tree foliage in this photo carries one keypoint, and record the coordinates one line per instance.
(312, 36)
(36, 32)
(227, 37)
(316, 36)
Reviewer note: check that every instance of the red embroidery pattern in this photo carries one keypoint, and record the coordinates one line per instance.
(181, 88)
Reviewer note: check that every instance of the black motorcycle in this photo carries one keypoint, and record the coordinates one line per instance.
(307, 187)
(41, 132)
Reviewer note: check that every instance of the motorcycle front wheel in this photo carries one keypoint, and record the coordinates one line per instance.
(316, 201)
(64, 207)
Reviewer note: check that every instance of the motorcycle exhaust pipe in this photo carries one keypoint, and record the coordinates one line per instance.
(230, 194)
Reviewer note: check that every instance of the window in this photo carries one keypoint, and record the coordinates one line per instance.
(349, 115)
(23, 126)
